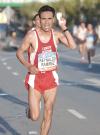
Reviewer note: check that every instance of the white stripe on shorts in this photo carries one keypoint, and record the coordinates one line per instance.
(55, 75)
(31, 80)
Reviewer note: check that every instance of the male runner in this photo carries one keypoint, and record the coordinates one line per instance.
(42, 78)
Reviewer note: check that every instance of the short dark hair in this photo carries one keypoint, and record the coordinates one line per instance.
(46, 8)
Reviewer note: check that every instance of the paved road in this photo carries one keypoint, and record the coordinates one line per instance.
(77, 110)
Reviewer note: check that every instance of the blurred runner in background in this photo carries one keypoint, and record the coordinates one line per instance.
(36, 21)
(81, 36)
(91, 40)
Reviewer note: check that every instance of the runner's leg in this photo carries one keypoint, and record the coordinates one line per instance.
(89, 57)
(82, 52)
(49, 99)
(34, 98)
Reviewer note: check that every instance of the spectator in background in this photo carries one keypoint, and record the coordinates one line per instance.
(81, 37)
(91, 39)
(97, 29)
(36, 22)
(11, 41)
(75, 29)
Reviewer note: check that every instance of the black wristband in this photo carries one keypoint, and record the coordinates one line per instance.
(65, 30)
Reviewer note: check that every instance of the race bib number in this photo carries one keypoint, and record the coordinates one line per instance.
(47, 61)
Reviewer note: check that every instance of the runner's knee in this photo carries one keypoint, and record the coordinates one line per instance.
(34, 116)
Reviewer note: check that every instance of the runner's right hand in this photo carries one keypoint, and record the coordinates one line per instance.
(32, 69)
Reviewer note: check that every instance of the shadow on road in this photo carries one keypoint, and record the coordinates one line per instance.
(13, 99)
(81, 85)
(81, 66)
(6, 127)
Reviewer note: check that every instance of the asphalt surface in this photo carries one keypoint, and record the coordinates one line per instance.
(76, 111)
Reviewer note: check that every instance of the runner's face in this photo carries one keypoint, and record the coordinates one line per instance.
(46, 20)
(90, 27)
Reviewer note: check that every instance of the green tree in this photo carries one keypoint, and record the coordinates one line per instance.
(30, 9)
(71, 9)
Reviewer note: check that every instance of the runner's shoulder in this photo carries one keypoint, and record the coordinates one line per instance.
(30, 34)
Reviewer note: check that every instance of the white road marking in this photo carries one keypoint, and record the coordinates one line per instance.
(32, 132)
(3, 94)
(9, 68)
(76, 114)
(2, 59)
(15, 73)
(7, 58)
(67, 83)
(4, 63)
(93, 80)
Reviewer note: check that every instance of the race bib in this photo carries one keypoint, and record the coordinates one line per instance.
(47, 61)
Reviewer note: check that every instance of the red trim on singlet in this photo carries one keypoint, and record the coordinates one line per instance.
(41, 45)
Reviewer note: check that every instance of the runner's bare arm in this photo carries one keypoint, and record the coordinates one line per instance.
(20, 53)
(66, 37)
(23, 48)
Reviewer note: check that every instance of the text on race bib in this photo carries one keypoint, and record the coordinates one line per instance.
(47, 61)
